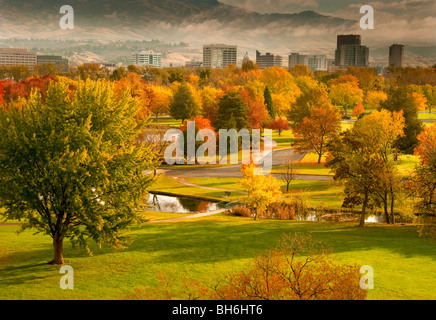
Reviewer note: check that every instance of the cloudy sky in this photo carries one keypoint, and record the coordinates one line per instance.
(404, 20)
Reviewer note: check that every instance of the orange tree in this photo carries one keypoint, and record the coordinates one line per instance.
(316, 131)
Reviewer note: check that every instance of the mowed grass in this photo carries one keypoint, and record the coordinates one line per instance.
(316, 193)
(404, 265)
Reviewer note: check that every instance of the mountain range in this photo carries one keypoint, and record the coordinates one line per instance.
(196, 22)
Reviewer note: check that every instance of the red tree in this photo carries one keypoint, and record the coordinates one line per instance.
(279, 124)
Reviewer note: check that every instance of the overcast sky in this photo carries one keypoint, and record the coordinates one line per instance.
(411, 21)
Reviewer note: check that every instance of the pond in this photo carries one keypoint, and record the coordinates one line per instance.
(340, 217)
(182, 204)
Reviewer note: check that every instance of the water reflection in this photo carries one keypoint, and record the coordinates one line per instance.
(180, 204)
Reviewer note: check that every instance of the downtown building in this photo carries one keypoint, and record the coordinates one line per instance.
(147, 59)
(60, 63)
(314, 62)
(15, 57)
(350, 52)
(217, 56)
(268, 60)
(396, 55)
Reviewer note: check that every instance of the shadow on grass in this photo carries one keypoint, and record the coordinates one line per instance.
(212, 241)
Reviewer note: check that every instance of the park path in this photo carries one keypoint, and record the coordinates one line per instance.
(189, 184)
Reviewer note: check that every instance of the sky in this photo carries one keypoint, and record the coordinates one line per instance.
(404, 20)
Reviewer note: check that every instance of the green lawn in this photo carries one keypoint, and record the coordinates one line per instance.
(404, 265)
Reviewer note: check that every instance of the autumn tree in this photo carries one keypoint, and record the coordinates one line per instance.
(209, 100)
(184, 105)
(317, 130)
(300, 70)
(160, 101)
(358, 156)
(345, 92)
(313, 98)
(72, 168)
(430, 94)
(262, 190)
(358, 110)
(374, 99)
(399, 99)
(279, 124)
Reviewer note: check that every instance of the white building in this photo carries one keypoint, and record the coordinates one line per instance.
(147, 59)
(219, 55)
(314, 62)
(13, 57)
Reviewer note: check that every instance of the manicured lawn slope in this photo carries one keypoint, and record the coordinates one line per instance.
(404, 265)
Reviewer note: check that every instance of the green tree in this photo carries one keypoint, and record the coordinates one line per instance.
(71, 167)
(269, 102)
(184, 106)
(400, 99)
(358, 156)
(232, 112)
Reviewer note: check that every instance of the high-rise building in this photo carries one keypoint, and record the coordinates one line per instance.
(12, 57)
(346, 39)
(314, 62)
(268, 60)
(58, 61)
(396, 55)
(147, 59)
(296, 58)
(353, 56)
(350, 52)
(218, 56)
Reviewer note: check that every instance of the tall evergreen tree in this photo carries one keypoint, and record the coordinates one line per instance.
(400, 99)
(269, 102)
(232, 112)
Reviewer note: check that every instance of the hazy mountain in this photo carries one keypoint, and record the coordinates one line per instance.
(193, 21)
(196, 22)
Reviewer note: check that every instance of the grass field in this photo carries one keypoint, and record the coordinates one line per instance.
(404, 265)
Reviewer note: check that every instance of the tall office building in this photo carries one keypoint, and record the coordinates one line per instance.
(148, 59)
(314, 62)
(268, 60)
(13, 57)
(350, 52)
(60, 63)
(218, 56)
(396, 55)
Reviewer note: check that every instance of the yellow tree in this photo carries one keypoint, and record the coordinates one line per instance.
(262, 190)
(280, 81)
(373, 99)
(345, 92)
(161, 100)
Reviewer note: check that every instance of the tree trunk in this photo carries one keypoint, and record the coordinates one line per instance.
(58, 247)
(319, 157)
(385, 203)
(392, 206)
(362, 217)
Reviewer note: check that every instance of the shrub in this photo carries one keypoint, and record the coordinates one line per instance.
(290, 209)
(240, 211)
(296, 269)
